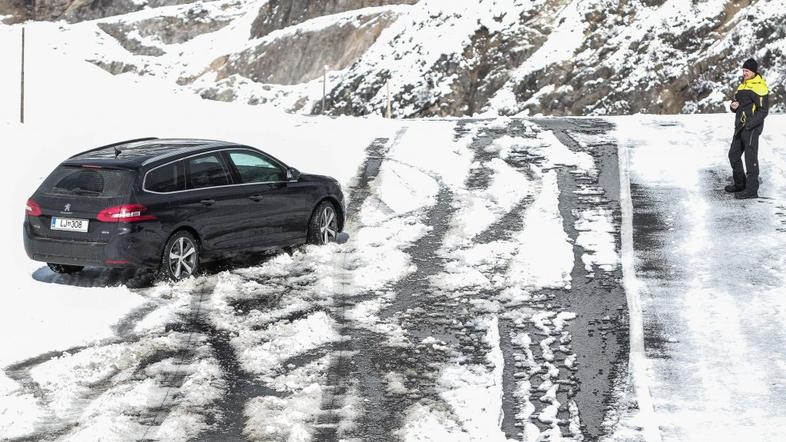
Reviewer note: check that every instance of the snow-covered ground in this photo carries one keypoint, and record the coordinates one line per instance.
(457, 310)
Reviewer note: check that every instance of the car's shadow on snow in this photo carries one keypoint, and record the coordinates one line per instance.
(98, 277)
(139, 279)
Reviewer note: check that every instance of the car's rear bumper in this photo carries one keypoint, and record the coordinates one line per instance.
(131, 247)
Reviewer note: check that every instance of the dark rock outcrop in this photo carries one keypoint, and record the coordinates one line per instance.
(116, 67)
(164, 29)
(279, 14)
(120, 32)
(682, 69)
(74, 11)
(301, 56)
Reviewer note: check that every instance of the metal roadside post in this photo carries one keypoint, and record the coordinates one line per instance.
(22, 80)
(388, 106)
(324, 87)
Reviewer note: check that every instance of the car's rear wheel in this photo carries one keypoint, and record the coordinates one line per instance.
(63, 268)
(181, 256)
(323, 226)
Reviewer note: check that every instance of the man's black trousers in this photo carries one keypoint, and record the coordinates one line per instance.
(747, 142)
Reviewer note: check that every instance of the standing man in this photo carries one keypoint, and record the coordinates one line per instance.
(751, 105)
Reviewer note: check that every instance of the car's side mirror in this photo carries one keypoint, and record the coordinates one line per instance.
(293, 174)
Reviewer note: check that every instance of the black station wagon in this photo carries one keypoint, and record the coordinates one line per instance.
(169, 204)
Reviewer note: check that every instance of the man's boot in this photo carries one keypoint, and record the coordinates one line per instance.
(751, 188)
(731, 188)
(746, 194)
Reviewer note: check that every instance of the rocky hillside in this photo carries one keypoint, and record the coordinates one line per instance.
(74, 11)
(435, 57)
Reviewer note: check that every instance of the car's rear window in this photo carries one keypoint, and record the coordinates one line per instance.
(88, 182)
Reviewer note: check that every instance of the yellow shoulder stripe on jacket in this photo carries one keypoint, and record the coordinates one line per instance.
(756, 84)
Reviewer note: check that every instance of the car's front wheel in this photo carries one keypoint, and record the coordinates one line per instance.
(181, 256)
(63, 268)
(323, 226)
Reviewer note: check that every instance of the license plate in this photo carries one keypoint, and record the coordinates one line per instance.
(69, 224)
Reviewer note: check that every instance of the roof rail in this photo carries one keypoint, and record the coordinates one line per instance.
(114, 144)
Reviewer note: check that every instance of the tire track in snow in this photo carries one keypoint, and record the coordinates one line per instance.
(363, 354)
(501, 230)
(53, 427)
(518, 361)
(375, 155)
(553, 358)
(175, 379)
(21, 372)
(460, 328)
(413, 292)
(228, 421)
(337, 388)
(254, 306)
(368, 359)
(241, 387)
(600, 331)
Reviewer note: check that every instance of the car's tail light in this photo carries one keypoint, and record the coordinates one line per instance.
(127, 213)
(32, 208)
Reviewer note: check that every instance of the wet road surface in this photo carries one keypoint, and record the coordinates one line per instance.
(711, 269)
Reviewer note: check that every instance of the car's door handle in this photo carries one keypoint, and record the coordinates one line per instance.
(208, 202)
(255, 198)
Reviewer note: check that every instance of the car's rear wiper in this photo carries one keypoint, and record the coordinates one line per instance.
(79, 191)
(76, 191)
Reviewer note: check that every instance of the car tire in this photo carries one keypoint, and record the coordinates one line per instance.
(64, 269)
(323, 225)
(181, 257)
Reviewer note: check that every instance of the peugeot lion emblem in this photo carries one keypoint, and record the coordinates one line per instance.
(68, 207)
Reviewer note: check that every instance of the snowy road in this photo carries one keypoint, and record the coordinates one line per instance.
(712, 271)
(480, 298)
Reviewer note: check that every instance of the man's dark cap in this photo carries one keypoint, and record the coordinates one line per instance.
(751, 65)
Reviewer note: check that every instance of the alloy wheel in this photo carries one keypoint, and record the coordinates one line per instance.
(182, 258)
(328, 225)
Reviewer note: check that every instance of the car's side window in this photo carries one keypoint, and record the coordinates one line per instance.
(254, 168)
(168, 178)
(206, 171)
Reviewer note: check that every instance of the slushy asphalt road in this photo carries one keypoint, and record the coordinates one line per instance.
(480, 297)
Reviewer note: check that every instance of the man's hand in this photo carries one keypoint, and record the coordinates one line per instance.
(735, 105)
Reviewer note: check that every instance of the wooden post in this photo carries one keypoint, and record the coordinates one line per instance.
(22, 88)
